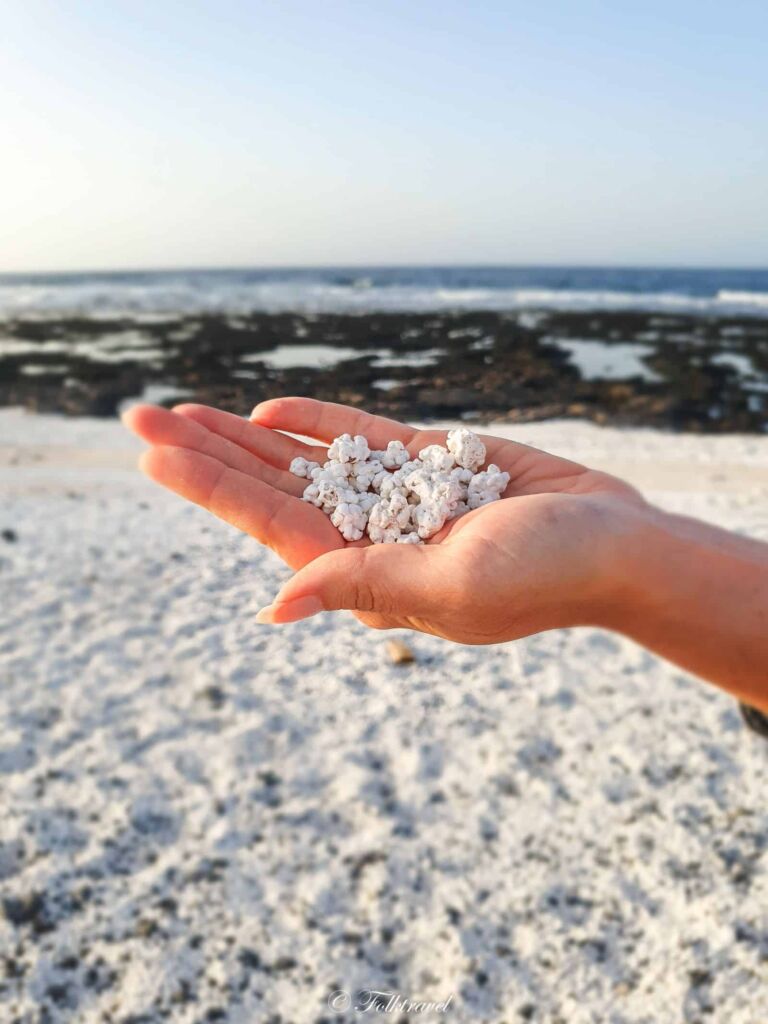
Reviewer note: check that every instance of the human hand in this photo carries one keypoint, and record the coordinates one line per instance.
(547, 555)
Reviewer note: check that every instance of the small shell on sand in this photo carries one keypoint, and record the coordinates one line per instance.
(400, 653)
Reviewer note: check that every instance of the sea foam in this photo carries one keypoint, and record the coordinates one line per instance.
(236, 292)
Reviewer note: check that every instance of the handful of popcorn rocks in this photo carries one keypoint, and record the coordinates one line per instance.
(396, 499)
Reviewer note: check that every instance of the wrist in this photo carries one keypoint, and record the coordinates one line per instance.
(698, 595)
(671, 564)
(639, 554)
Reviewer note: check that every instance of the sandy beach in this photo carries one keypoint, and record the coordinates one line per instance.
(207, 820)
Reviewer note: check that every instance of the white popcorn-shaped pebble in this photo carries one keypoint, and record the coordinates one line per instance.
(407, 467)
(329, 493)
(451, 492)
(409, 538)
(436, 458)
(460, 508)
(466, 447)
(337, 470)
(364, 473)
(384, 534)
(349, 520)
(429, 519)
(395, 455)
(419, 482)
(349, 449)
(400, 510)
(380, 479)
(394, 511)
(486, 486)
(388, 486)
(461, 475)
(303, 467)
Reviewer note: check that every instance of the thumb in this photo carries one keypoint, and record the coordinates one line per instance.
(390, 579)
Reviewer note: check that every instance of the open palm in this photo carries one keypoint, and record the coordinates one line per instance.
(539, 558)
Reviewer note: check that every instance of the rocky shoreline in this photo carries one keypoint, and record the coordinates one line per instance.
(684, 372)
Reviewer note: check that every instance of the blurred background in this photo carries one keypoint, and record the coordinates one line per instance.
(175, 174)
(551, 220)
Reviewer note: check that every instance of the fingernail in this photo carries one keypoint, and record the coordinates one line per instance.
(289, 611)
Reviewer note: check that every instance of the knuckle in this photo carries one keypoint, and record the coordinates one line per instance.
(215, 500)
(363, 595)
(365, 587)
(268, 527)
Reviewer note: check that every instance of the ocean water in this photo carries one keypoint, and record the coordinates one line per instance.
(359, 290)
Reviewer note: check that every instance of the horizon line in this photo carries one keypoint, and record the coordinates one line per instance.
(481, 265)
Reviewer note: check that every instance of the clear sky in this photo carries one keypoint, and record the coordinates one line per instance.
(199, 133)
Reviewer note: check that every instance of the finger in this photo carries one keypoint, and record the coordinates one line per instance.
(387, 580)
(296, 530)
(270, 445)
(160, 426)
(531, 470)
(326, 420)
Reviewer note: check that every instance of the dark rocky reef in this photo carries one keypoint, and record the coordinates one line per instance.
(630, 368)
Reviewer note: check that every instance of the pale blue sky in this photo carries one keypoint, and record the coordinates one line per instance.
(212, 134)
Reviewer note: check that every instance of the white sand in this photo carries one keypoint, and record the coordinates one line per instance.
(218, 815)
